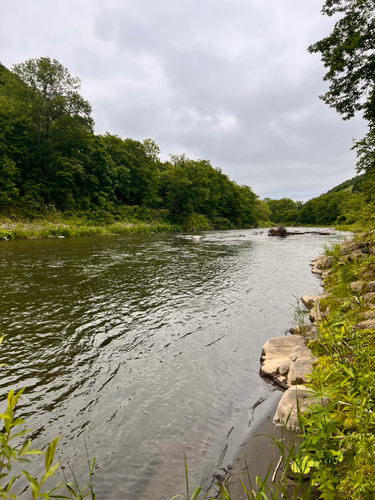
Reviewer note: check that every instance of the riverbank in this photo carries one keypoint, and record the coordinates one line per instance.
(336, 454)
(59, 225)
(139, 220)
(67, 229)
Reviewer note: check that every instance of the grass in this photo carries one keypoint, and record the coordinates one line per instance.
(74, 227)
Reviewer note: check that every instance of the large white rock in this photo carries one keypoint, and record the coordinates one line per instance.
(286, 413)
(276, 357)
(301, 361)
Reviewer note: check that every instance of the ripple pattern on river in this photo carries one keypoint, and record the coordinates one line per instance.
(149, 344)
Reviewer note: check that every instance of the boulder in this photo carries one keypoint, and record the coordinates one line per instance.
(370, 296)
(357, 286)
(316, 270)
(355, 255)
(327, 262)
(310, 300)
(370, 286)
(286, 413)
(301, 361)
(315, 316)
(312, 263)
(276, 357)
(368, 314)
(326, 273)
(319, 263)
(348, 247)
(304, 330)
(364, 325)
(369, 274)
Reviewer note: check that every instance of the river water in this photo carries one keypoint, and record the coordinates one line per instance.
(147, 346)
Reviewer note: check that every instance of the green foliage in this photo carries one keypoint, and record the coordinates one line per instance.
(6, 234)
(343, 204)
(284, 211)
(351, 185)
(325, 209)
(338, 435)
(50, 158)
(54, 97)
(262, 213)
(300, 313)
(348, 54)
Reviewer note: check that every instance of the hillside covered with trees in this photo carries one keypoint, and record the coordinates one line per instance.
(52, 164)
(52, 161)
(339, 205)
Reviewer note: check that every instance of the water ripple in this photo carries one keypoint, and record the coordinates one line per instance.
(147, 343)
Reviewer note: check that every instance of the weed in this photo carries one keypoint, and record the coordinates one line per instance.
(300, 313)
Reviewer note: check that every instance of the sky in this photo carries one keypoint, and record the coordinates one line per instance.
(228, 81)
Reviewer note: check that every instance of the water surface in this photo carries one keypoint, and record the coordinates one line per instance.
(147, 345)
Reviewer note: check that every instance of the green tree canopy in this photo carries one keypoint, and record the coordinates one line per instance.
(54, 95)
(349, 54)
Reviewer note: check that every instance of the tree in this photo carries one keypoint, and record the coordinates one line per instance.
(137, 169)
(187, 184)
(54, 95)
(8, 188)
(284, 211)
(349, 54)
(59, 129)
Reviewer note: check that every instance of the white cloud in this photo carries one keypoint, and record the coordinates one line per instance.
(225, 80)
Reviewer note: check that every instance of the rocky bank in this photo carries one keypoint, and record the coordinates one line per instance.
(287, 361)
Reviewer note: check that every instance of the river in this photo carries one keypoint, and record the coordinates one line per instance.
(147, 346)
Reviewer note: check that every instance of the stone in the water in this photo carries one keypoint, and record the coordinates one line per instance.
(310, 300)
(276, 357)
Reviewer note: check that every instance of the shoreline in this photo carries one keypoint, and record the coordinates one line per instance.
(81, 226)
(334, 357)
(261, 454)
(71, 229)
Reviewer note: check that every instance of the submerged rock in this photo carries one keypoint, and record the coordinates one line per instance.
(279, 231)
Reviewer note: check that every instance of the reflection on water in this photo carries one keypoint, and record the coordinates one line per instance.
(147, 344)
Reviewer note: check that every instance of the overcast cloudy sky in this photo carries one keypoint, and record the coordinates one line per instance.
(225, 80)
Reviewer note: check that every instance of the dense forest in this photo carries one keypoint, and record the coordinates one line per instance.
(340, 205)
(51, 160)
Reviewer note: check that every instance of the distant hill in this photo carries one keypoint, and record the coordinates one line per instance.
(352, 185)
